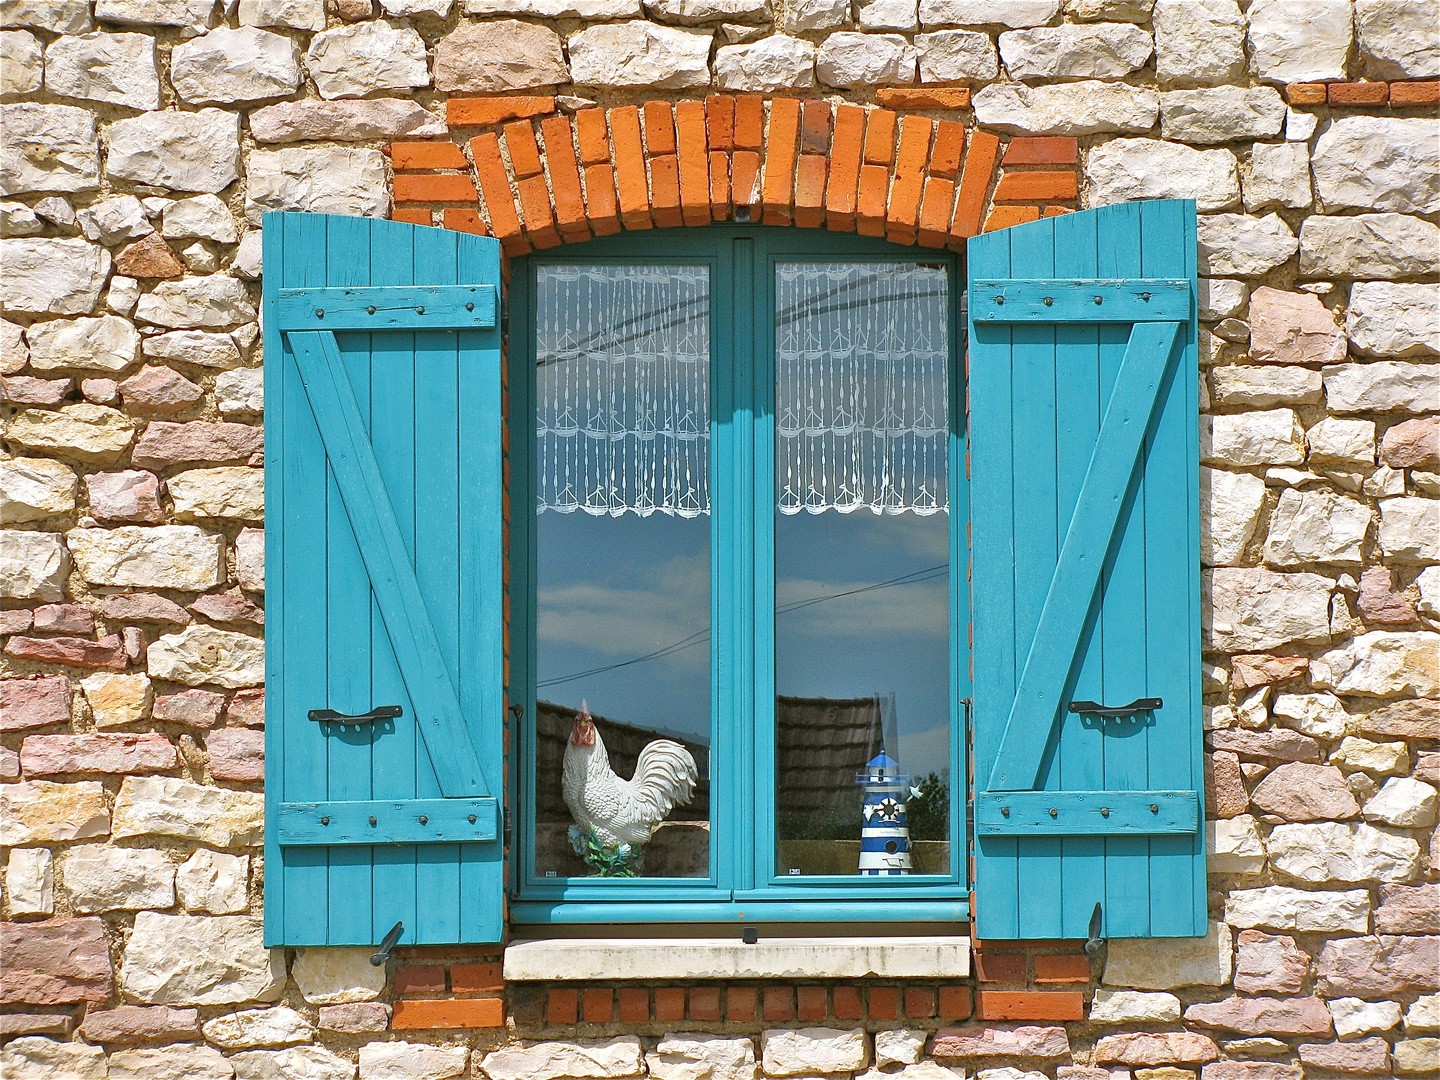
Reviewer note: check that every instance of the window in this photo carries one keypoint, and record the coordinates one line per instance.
(742, 515)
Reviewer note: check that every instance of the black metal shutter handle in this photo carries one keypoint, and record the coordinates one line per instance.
(380, 712)
(1139, 705)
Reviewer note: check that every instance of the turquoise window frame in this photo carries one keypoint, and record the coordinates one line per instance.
(742, 883)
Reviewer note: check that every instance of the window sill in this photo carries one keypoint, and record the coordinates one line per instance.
(570, 960)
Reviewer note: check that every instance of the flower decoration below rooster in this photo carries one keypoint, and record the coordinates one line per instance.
(615, 818)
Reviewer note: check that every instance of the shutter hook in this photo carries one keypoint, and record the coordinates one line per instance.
(386, 944)
(1095, 942)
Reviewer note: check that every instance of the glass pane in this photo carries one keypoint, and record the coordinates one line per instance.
(862, 569)
(622, 775)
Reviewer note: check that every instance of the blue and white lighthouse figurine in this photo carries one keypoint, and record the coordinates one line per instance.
(885, 836)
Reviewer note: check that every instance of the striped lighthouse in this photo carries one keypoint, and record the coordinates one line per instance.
(885, 836)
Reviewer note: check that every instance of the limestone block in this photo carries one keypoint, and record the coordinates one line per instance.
(42, 812)
(211, 301)
(1299, 40)
(806, 1051)
(182, 151)
(1354, 1016)
(1404, 803)
(901, 1046)
(163, 557)
(1222, 297)
(806, 16)
(249, 255)
(196, 347)
(104, 878)
(231, 492)
(1398, 39)
(1199, 42)
(337, 976)
(277, 1026)
(190, 14)
(1416, 1057)
(165, 806)
(333, 180)
(1127, 169)
(203, 216)
(640, 53)
(1429, 582)
(1078, 108)
(1252, 610)
(202, 655)
(1333, 851)
(226, 66)
(344, 121)
(309, 1062)
(1278, 174)
(778, 62)
(355, 1018)
(1012, 13)
(1271, 437)
(30, 881)
(1132, 1006)
(106, 343)
(855, 60)
(296, 14)
(61, 16)
(47, 148)
(438, 8)
(590, 10)
(1230, 510)
(1385, 319)
(1265, 387)
(1355, 753)
(215, 883)
(187, 1061)
(118, 68)
(1137, 11)
(891, 15)
(1278, 907)
(240, 391)
(1410, 529)
(417, 1061)
(1244, 246)
(56, 277)
(1381, 386)
(1293, 328)
(127, 495)
(952, 55)
(1266, 962)
(1423, 1015)
(1221, 114)
(1413, 444)
(1320, 716)
(1232, 846)
(33, 489)
(200, 960)
(22, 63)
(13, 352)
(33, 565)
(117, 700)
(1380, 664)
(499, 56)
(1166, 963)
(1071, 51)
(1378, 163)
(1263, 1016)
(352, 61)
(36, 1058)
(1316, 526)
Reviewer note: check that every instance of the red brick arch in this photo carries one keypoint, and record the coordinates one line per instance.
(546, 178)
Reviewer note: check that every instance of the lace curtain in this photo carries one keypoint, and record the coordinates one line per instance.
(623, 389)
(862, 388)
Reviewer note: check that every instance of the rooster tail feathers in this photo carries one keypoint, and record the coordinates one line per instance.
(665, 777)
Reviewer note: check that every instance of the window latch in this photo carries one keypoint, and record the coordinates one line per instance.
(386, 944)
(1139, 705)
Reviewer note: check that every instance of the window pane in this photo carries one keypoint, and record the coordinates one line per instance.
(862, 569)
(623, 575)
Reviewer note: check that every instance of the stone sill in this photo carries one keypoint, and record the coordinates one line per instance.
(572, 960)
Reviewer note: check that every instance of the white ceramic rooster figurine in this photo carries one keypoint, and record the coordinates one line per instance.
(616, 817)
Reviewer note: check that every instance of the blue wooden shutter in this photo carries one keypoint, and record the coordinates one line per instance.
(1086, 575)
(384, 553)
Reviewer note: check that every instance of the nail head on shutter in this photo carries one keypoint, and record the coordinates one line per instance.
(424, 820)
(1154, 808)
(419, 311)
(324, 821)
(319, 312)
(1054, 812)
(472, 819)
(1004, 811)
(374, 821)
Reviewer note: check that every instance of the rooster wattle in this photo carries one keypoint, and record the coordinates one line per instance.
(613, 812)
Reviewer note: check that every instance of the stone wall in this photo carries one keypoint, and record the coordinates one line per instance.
(142, 139)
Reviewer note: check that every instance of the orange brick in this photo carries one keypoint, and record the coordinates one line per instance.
(1359, 93)
(1415, 93)
(745, 178)
(1014, 186)
(1002, 217)
(880, 137)
(694, 162)
(704, 1003)
(934, 97)
(669, 1003)
(846, 147)
(974, 181)
(563, 1006)
(1000, 967)
(815, 127)
(564, 176)
(720, 121)
(413, 215)
(475, 978)
(903, 211)
(812, 1003)
(1056, 211)
(779, 1003)
(949, 147)
(665, 192)
(1041, 150)
(524, 151)
(470, 112)
(779, 185)
(427, 155)
(1031, 1005)
(458, 219)
(870, 201)
(634, 1004)
(597, 1004)
(535, 209)
(659, 128)
(884, 1002)
(741, 1004)
(464, 1013)
(846, 1003)
(600, 205)
(1062, 969)
(919, 1002)
(1305, 93)
(955, 1003)
(935, 212)
(428, 187)
(594, 141)
(630, 167)
(719, 185)
(810, 191)
(749, 122)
